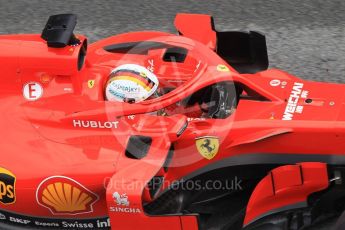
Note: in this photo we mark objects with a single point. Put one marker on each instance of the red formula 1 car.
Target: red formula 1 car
(225, 143)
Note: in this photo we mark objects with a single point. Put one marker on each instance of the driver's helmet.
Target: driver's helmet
(130, 83)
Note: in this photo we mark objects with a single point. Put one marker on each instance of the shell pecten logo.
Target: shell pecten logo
(65, 196)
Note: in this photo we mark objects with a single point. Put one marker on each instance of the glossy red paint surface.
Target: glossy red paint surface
(72, 132)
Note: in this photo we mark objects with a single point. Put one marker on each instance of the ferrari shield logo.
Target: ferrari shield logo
(207, 146)
(222, 68)
(91, 84)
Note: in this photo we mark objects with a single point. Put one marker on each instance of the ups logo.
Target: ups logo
(7, 187)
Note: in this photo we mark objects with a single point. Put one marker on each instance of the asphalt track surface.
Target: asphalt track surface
(305, 38)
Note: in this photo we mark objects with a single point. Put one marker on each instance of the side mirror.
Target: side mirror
(58, 31)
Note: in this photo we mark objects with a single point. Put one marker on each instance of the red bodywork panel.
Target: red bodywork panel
(197, 27)
(286, 186)
(71, 132)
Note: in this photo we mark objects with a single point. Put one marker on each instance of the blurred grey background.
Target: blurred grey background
(305, 38)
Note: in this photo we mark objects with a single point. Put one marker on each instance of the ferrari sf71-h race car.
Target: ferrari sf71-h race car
(223, 143)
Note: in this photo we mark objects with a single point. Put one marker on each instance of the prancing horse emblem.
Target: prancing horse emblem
(207, 146)
(91, 83)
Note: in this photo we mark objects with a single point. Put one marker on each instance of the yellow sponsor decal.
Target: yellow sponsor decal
(143, 74)
(207, 146)
(90, 84)
(7, 187)
(45, 78)
(65, 196)
(222, 68)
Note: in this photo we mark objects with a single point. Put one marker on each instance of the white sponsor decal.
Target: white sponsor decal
(103, 224)
(292, 107)
(151, 65)
(283, 85)
(122, 200)
(53, 223)
(275, 82)
(19, 220)
(68, 89)
(124, 88)
(125, 210)
(46, 224)
(77, 225)
(32, 91)
(96, 124)
(196, 119)
(131, 117)
(304, 94)
(197, 66)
